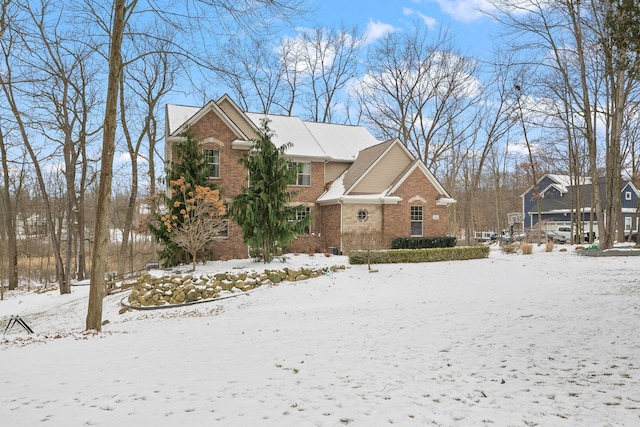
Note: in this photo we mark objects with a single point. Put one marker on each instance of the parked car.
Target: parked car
(585, 237)
(535, 236)
(556, 237)
(518, 237)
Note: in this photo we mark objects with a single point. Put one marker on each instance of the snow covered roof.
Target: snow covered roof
(562, 183)
(341, 188)
(318, 140)
(565, 180)
(323, 141)
(290, 130)
(177, 115)
(341, 142)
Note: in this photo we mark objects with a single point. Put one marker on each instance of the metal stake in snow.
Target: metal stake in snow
(19, 321)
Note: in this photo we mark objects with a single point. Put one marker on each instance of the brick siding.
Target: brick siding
(325, 230)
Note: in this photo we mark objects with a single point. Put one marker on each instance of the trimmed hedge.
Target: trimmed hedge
(423, 242)
(418, 255)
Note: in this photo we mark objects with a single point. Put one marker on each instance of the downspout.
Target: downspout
(341, 223)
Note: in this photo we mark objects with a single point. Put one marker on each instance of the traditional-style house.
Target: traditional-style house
(560, 196)
(348, 181)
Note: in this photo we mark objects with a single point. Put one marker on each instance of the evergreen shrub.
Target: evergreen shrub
(392, 256)
(423, 242)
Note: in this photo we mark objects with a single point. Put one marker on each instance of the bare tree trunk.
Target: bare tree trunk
(133, 195)
(9, 216)
(99, 260)
(614, 180)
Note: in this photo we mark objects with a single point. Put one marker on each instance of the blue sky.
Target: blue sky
(472, 31)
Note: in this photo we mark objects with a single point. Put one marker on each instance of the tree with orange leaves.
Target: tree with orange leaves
(200, 219)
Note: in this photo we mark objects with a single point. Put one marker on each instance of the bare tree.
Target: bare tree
(576, 42)
(311, 69)
(12, 87)
(417, 86)
(364, 240)
(243, 13)
(149, 79)
(330, 60)
(121, 13)
(491, 126)
(64, 107)
(291, 56)
(253, 70)
(202, 221)
(9, 212)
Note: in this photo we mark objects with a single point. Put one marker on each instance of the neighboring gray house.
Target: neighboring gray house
(558, 195)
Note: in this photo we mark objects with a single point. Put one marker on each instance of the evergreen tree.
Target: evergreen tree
(189, 164)
(262, 210)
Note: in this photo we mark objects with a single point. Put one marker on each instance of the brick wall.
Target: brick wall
(233, 177)
(330, 225)
(397, 218)
(325, 230)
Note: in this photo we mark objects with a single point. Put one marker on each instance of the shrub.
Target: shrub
(526, 248)
(548, 247)
(423, 242)
(418, 255)
(509, 248)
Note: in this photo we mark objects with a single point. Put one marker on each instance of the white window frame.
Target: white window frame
(628, 222)
(304, 173)
(224, 232)
(301, 213)
(627, 195)
(209, 158)
(417, 217)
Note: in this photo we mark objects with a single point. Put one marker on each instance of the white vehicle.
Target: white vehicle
(564, 228)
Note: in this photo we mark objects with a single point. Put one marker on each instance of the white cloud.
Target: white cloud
(376, 30)
(428, 20)
(125, 157)
(464, 10)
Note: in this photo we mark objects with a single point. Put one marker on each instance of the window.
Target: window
(224, 231)
(416, 220)
(212, 159)
(627, 223)
(301, 213)
(304, 173)
(362, 215)
(627, 195)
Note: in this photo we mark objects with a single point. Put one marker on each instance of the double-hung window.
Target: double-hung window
(304, 173)
(224, 230)
(212, 159)
(301, 213)
(416, 220)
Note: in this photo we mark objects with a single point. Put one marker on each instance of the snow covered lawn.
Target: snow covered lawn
(546, 339)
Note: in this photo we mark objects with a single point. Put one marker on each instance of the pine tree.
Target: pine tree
(189, 164)
(262, 210)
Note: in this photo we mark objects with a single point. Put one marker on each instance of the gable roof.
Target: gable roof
(443, 198)
(562, 182)
(339, 190)
(176, 114)
(365, 159)
(580, 195)
(310, 140)
(290, 130)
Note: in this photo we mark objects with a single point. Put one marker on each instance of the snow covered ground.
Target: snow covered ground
(548, 339)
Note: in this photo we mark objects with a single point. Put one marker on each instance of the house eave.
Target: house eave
(446, 201)
(241, 144)
(368, 199)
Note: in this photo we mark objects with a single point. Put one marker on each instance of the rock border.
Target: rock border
(178, 290)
